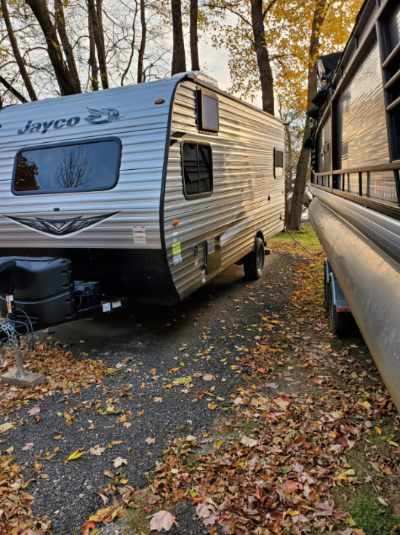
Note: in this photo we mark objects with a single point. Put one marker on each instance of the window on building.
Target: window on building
(197, 169)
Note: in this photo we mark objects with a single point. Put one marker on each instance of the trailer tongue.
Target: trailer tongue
(39, 292)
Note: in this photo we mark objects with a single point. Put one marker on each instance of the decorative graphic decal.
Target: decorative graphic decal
(60, 227)
(102, 115)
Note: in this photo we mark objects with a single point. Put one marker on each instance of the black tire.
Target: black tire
(339, 322)
(254, 262)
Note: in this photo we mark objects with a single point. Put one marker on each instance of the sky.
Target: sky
(214, 62)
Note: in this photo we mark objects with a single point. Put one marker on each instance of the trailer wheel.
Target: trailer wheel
(254, 262)
(338, 321)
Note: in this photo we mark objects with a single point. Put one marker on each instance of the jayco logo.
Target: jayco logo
(96, 116)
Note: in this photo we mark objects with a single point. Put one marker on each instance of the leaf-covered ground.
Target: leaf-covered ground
(239, 412)
(311, 444)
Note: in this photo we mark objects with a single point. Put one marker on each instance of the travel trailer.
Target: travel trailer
(356, 183)
(143, 193)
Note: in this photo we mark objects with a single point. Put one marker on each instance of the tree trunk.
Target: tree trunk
(12, 90)
(64, 78)
(93, 65)
(17, 54)
(194, 38)
(95, 8)
(178, 51)
(142, 47)
(133, 42)
(68, 51)
(294, 221)
(263, 60)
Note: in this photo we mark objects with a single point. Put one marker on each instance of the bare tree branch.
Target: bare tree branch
(12, 90)
(16, 52)
(133, 40)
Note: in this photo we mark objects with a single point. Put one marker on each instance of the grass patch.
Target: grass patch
(305, 236)
(137, 522)
(371, 516)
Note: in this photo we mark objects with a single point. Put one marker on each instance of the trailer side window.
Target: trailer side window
(278, 163)
(197, 169)
(208, 110)
(84, 166)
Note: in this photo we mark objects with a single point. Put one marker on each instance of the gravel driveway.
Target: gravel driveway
(171, 372)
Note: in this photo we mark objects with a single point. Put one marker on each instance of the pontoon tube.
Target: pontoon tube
(370, 280)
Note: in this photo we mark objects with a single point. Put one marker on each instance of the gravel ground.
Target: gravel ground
(201, 337)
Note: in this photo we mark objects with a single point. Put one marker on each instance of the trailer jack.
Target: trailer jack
(17, 375)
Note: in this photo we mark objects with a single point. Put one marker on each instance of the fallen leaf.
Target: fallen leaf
(282, 402)
(34, 411)
(212, 406)
(75, 455)
(248, 442)
(150, 440)
(6, 427)
(119, 461)
(290, 486)
(345, 475)
(97, 450)
(163, 520)
(206, 512)
(208, 377)
(109, 410)
(107, 514)
(88, 527)
(218, 443)
(382, 501)
(185, 380)
(364, 404)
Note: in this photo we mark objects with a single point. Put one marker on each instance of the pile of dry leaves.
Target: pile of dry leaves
(15, 512)
(63, 372)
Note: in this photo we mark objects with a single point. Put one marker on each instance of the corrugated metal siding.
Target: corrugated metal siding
(142, 128)
(361, 110)
(363, 137)
(243, 182)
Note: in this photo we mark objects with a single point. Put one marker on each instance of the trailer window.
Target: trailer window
(197, 169)
(84, 166)
(278, 163)
(208, 109)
